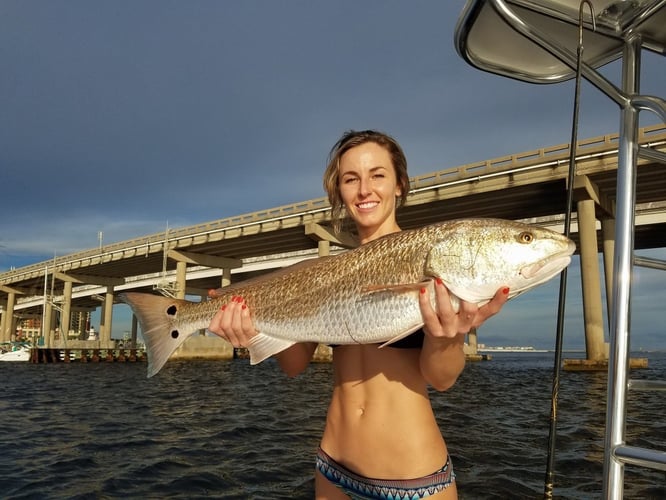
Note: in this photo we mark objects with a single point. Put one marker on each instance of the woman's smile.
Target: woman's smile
(369, 187)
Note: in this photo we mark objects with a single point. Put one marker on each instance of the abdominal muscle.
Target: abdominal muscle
(380, 422)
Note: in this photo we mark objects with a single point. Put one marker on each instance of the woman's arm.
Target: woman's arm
(442, 357)
(294, 360)
(233, 323)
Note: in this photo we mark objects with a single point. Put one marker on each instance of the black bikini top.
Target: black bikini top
(412, 341)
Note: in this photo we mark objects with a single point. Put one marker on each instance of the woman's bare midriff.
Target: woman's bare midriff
(380, 423)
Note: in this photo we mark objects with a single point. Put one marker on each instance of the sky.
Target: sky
(123, 116)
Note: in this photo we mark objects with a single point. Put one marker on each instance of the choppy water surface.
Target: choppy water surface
(229, 430)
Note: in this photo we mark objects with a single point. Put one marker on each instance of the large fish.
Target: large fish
(369, 294)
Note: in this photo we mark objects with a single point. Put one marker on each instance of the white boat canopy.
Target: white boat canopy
(507, 37)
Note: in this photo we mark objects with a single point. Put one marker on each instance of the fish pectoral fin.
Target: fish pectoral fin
(479, 295)
(263, 346)
(400, 288)
(402, 335)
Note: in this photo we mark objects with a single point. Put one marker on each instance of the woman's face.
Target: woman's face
(368, 187)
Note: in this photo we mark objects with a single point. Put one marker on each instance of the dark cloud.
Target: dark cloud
(123, 116)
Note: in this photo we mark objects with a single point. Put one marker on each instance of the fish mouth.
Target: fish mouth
(548, 267)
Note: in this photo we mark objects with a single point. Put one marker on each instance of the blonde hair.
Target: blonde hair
(349, 140)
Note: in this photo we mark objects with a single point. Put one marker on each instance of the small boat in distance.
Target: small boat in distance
(14, 351)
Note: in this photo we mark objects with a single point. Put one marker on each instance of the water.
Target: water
(229, 430)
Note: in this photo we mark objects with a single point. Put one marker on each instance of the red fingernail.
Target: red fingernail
(223, 307)
(423, 290)
(244, 306)
(505, 290)
(438, 281)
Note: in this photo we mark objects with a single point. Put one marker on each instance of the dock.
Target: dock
(39, 355)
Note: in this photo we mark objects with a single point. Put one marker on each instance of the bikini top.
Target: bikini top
(412, 341)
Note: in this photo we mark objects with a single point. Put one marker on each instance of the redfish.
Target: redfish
(368, 295)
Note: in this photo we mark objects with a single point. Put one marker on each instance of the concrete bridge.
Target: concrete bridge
(528, 186)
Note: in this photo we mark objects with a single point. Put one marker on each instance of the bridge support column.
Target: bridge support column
(608, 235)
(473, 342)
(225, 280)
(595, 346)
(472, 348)
(3, 317)
(323, 248)
(8, 322)
(65, 315)
(591, 205)
(48, 322)
(181, 279)
(106, 318)
(87, 325)
(83, 325)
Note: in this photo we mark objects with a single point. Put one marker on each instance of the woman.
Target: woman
(381, 433)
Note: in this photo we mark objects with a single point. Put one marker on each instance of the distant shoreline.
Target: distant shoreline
(519, 349)
(529, 349)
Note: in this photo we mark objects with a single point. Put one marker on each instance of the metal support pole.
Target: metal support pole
(622, 271)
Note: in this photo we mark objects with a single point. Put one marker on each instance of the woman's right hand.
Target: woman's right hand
(233, 323)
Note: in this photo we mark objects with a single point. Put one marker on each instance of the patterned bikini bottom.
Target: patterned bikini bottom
(385, 489)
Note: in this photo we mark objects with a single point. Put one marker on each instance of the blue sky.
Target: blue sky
(120, 116)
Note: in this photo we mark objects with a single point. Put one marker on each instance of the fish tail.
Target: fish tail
(161, 330)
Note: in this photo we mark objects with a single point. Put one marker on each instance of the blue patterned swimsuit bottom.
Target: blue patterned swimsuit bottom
(385, 489)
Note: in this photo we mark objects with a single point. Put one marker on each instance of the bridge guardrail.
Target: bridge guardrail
(541, 155)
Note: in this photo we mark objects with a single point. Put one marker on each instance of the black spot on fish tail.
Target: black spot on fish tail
(158, 317)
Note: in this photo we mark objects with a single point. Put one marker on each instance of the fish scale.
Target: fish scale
(368, 295)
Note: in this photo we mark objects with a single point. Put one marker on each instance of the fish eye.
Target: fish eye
(525, 237)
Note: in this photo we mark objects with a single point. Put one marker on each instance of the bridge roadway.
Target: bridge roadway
(527, 186)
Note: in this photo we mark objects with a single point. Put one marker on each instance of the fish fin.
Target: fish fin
(475, 295)
(402, 335)
(400, 288)
(156, 314)
(263, 346)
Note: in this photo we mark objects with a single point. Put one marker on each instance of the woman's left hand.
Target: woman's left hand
(445, 322)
